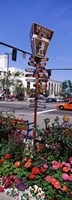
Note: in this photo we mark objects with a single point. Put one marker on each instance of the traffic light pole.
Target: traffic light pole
(7, 76)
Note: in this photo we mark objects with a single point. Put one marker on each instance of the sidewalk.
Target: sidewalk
(5, 197)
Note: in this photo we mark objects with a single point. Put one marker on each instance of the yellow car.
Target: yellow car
(66, 106)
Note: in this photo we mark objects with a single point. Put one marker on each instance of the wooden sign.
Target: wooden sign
(32, 59)
(42, 65)
(32, 64)
(40, 38)
(44, 59)
(29, 75)
(30, 70)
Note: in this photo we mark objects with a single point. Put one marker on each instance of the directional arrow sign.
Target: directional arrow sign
(42, 76)
(44, 59)
(32, 59)
(42, 80)
(32, 64)
(42, 65)
(29, 70)
(29, 75)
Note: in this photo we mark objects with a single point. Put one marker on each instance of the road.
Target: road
(23, 111)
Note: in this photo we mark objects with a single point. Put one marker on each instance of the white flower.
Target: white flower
(36, 189)
(30, 196)
(30, 188)
(39, 189)
(38, 195)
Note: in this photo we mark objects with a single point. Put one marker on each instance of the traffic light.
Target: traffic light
(49, 72)
(14, 54)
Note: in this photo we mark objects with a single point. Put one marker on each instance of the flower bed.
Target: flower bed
(40, 172)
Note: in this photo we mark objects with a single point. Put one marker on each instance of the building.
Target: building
(53, 86)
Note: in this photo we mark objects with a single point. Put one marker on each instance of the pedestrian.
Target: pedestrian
(66, 122)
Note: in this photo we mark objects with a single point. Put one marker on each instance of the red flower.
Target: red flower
(66, 169)
(35, 170)
(31, 176)
(1, 160)
(17, 164)
(57, 185)
(7, 182)
(27, 164)
(29, 160)
(1, 189)
(7, 156)
(40, 147)
(65, 188)
(42, 169)
(25, 159)
(50, 199)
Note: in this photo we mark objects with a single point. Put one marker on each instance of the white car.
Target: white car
(60, 100)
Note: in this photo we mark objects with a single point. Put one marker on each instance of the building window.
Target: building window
(28, 85)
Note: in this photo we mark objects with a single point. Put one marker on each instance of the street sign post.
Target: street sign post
(40, 38)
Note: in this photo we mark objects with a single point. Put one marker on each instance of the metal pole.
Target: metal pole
(7, 76)
(36, 100)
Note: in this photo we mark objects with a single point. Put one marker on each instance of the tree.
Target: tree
(66, 88)
(12, 79)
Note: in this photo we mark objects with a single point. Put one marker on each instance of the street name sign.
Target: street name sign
(40, 38)
(30, 70)
(32, 59)
(32, 64)
(42, 64)
(42, 80)
(29, 75)
(44, 59)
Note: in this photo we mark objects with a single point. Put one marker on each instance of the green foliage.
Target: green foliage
(66, 88)
(55, 140)
(52, 144)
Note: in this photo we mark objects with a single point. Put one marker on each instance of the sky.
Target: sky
(16, 18)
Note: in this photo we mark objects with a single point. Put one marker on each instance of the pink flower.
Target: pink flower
(70, 177)
(1, 189)
(65, 177)
(68, 165)
(70, 160)
(71, 169)
(54, 162)
(63, 163)
(45, 166)
(48, 178)
(55, 166)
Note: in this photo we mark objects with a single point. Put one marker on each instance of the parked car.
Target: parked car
(60, 100)
(51, 100)
(66, 106)
(42, 96)
(68, 99)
